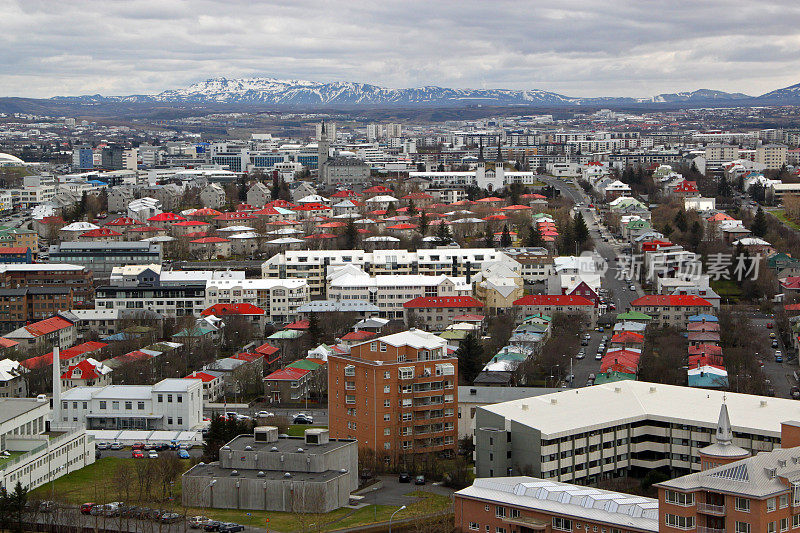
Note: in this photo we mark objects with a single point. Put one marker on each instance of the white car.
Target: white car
(264, 414)
(152, 454)
(633, 288)
(598, 357)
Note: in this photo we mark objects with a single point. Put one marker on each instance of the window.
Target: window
(679, 498)
(514, 513)
(383, 347)
(784, 524)
(114, 405)
(179, 397)
(742, 504)
(770, 504)
(102, 405)
(499, 511)
(128, 405)
(180, 421)
(350, 398)
(562, 524)
(796, 520)
(140, 406)
(679, 522)
(373, 346)
(387, 403)
(386, 374)
(160, 398)
(783, 501)
(500, 530)
(386, 389)
(350, 370)
(406, 372)
(387, 431)
(169, 398)
(771, 527)
(169, 421)
(474, 526)
(387, 417)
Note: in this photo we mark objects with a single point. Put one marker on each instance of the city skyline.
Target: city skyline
(147, 47)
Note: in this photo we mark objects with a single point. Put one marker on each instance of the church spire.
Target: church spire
(480, 149)
(724, 431)
(499, 150)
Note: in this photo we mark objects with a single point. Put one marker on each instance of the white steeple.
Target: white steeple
(724, 431)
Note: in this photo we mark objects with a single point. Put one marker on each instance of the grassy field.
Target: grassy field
(97, 483)
(11, 456)
(727, 288)
(298, 430)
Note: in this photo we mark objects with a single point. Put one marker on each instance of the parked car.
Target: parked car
(585, 342)
(795, 393)
(770, 325)
(264, 414)
(137, 454)
(581, 354)
(137, 446)
(419, 480)
(169, 518)
(230, 528)
(404, 477)
(212, 525)
(152, 455)
(115, 446)
(101, 445)
(47, 506)
(196, 522)
(774, 343)
(183, 454)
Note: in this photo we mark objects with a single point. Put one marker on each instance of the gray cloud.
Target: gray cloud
(578, 48)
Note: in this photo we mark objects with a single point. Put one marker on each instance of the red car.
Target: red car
(86, 508)
(137, 454)
(137, 446)
(769, 325)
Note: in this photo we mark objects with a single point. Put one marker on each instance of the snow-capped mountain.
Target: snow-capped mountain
(302, 93)
(700, 95)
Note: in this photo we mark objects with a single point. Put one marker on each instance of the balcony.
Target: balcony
(704, 529)
(708, 508)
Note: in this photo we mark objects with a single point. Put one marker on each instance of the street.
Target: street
(319, 415)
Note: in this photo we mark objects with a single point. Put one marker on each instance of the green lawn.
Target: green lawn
(727, 288)
(13, 455)
(298, 430)
(97, 483)
(781, 215)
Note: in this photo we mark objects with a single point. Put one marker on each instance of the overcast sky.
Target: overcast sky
(577, 48)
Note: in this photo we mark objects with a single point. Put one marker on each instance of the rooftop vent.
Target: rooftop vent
(274, 449)
(342, 470)
(248, 448)
(261, 473)
(234, 472)
(299, 450)
(652, 390)
(763, 403)
(287, 474)
(618, 389)
(782, 462)
(771, 472)
(553, 401)
(525, 407)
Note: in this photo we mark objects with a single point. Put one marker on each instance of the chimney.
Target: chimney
(56, 387)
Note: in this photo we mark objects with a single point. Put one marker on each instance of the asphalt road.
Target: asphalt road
(780, 375)
(320, 416)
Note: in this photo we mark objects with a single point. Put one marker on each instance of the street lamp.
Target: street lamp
(391, 517)
(211, 484)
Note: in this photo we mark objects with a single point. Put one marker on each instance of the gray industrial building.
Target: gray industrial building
(102, 257)
(310, 474)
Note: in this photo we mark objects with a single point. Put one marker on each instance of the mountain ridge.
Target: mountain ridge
(304, 93)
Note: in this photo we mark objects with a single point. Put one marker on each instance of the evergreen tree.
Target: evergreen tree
(759, 225)
(391, 210)
(351, 235)
(443, 234)
(220, 432)
(470, 358)
(534, 237)
(680, 221)
(412, 209)
(275, 189)
(696, 235)
(740, 183)
(580, 228)
(423, 223)
(472, 192)
(314, 331)
(566, 241)
(723, 188)
(488, 236)
(505, 237)
(667, 231)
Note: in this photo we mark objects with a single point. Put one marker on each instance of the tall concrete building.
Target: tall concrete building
(329, 128)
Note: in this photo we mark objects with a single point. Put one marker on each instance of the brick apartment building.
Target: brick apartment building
(22, 306)
(78, 278)
(396, 394)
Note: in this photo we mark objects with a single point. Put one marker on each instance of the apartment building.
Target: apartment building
(391, 292)
(76, 277)
(547, 304)
(526, 504)
(29, 304)
(671, 310)
(170, 301)
(279, 298)
(739, 494)
(614, 429)
(170, 404)
(45, 333)
(36, 456)
(435, 313)
(396, 394)
(12, 379)
(772, 156)
(313, 265)
(102, 257)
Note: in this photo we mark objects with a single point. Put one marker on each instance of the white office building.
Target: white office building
(169, 405)
(279, 298)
